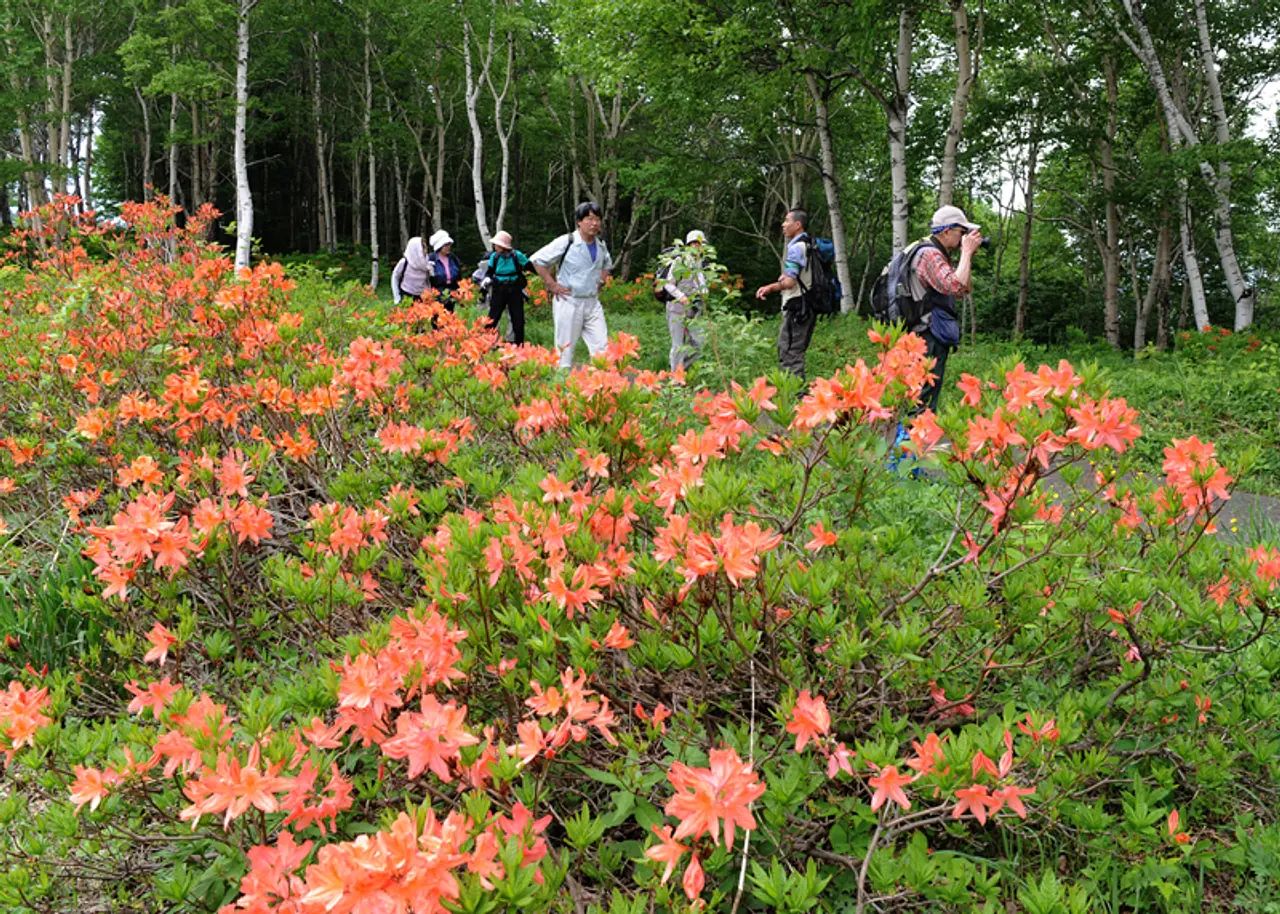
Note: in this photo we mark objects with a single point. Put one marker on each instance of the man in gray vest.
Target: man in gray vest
(582, 264)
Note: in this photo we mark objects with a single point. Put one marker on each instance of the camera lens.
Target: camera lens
(985, 243)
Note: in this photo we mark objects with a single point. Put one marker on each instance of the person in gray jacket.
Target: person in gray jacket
(686, 292)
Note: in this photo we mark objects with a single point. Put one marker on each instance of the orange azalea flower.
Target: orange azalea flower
(618, 638)
(694, 879)
(21, 715)
(668, 850)
(90, 786)
(705, 796)
(155, 697)
(1177, 836)
(888, 785)
(809, 719)
(821, 538)
(161, 640)
(1012, 796)
(975, 799)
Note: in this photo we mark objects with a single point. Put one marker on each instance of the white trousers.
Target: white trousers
(578, 318)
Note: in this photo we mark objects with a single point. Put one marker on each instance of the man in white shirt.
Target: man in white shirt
(582, 263)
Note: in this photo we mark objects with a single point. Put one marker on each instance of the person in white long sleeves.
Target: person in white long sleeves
(412, 274)
(582, 264)
(686, 289)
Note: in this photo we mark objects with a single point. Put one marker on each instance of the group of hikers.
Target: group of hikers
(918, 288)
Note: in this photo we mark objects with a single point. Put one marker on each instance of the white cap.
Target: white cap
(951, 215)
(439, 240)
(695, 235)
(503, 240)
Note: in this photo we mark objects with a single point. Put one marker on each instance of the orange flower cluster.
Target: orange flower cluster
(21, 715)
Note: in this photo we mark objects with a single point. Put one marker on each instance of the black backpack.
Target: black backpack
(822, 296)
(891, 299)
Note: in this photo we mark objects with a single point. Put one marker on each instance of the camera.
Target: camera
(985, 243)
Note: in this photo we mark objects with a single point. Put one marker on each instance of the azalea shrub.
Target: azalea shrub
(384, 614)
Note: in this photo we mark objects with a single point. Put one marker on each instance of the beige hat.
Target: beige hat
(948, 216)
(503, 240)
(695, 235)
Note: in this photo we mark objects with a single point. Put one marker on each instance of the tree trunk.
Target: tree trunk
(897, 120)
(402, 212)
(197, 187)
(1195, 283)
(473, 87)
(87, 195)
(504, 132)
(832, 187)
(965, 77)
(1158, 287)
(1111, 246)
(6, 217)
(173, 148)
(148, 174)
(328, 230)
(244, 198)
(1243, 294)
(357, 210)
(1024, 258)
(1183, 133)
(32, 178)
(373, 160)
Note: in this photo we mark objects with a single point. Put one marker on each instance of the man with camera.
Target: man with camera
(936, 283)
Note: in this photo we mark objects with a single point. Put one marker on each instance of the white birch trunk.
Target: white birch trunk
(1182, 133)
(832, 188)
(173, 148)
(473, 87)
(504, 131)
(244, 199)
(959, 103)
(1241, 291)
(896, 113)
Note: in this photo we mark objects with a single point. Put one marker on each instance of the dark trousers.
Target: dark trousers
(510, 299)
(933, 390)
(793, 340)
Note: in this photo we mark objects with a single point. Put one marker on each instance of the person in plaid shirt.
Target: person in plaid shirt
(935, 282)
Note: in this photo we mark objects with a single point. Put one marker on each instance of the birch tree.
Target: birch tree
(1183, 134)
(244, 198)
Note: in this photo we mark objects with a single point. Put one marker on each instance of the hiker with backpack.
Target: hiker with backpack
(412, 274)
(446, 270)
(681, 285)
(807, 290)
(918, 289)
(505, 280)
(582, 263)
